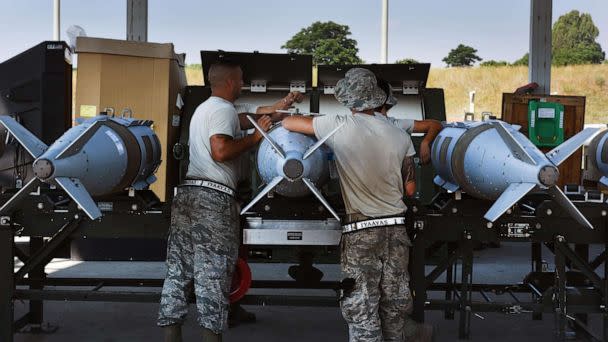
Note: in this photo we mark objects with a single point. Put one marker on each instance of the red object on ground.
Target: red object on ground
(241, 281)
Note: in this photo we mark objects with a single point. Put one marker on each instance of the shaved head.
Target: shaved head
(219, 73)
(226, 80)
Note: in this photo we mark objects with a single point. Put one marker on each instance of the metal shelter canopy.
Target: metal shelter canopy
(539, 63)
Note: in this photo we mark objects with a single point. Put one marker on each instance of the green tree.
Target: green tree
(406, 61)
(574, 36)
(327, 42)
(493, 63)
(462, 55)
(523, 60)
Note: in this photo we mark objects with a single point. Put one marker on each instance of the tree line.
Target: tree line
(574, 42)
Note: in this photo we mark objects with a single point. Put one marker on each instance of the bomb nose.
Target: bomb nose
(548, 175)
(43, 168)
(293, 169)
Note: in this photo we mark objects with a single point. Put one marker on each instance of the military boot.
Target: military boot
(210, 336)
(173, 333)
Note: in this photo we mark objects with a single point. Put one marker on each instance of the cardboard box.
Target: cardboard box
(147, 78)
(515, 111)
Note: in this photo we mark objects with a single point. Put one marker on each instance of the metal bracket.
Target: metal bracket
(594, 197)
(515, 310)
(299, 86)
(458, 195)
(573, 189)
(127, 113)
(329, 90)
(410, 88)
(258, 86)
(5, 220)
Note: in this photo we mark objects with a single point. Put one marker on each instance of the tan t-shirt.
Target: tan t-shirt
(369, 154)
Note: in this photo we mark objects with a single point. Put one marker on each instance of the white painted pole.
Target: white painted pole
(384, 34)
(56, 19)
(472, 101)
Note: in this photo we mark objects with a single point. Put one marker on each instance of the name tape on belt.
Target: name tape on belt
(210, 185)
(388, 221)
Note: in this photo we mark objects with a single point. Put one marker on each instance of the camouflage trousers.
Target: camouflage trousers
(380, 303)
(202, 250)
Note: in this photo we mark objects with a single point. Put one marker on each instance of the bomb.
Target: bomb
(492, 160)
(292, 164)
(598, 152)
(101, 156)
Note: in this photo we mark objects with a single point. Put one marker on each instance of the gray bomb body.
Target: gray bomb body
(112, 154)
(492, 160)
(292, 164)
(475, 158)
(293, 168)
(102, 155)
(598, 150)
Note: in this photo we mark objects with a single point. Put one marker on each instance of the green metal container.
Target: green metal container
(545, 123)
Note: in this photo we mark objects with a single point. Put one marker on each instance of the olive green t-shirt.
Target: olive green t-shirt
(369, 154)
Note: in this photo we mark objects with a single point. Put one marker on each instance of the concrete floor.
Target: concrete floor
(109, 322)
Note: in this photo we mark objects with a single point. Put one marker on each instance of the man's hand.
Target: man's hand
(432, 129)
(289, 100)
(264, 122)
(425, 153)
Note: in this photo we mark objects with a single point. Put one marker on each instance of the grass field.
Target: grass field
(490, 82)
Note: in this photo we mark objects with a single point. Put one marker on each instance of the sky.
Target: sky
(424, 30)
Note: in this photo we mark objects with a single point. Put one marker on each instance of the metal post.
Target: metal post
(560, 292)
(582, 251)
(137, 20)
(537, 266)
(418, 280)
(472, 101)
(7, 285)
(605, 299)
(537, 257)
(37, 276)
(56, 19)
(539, 62)
(464, 326)
(450, 279)
(384, 34)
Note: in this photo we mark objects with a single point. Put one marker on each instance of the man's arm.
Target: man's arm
(408, 172)
(282, 104)
(432, 129)
(225, 148)
(300, 124)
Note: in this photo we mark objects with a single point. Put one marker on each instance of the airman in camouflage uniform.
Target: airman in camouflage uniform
(203, 245)
(377, 308)
(374, 161)
(204, 237)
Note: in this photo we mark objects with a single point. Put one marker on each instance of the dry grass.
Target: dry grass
(194, 75)
(490, 82)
